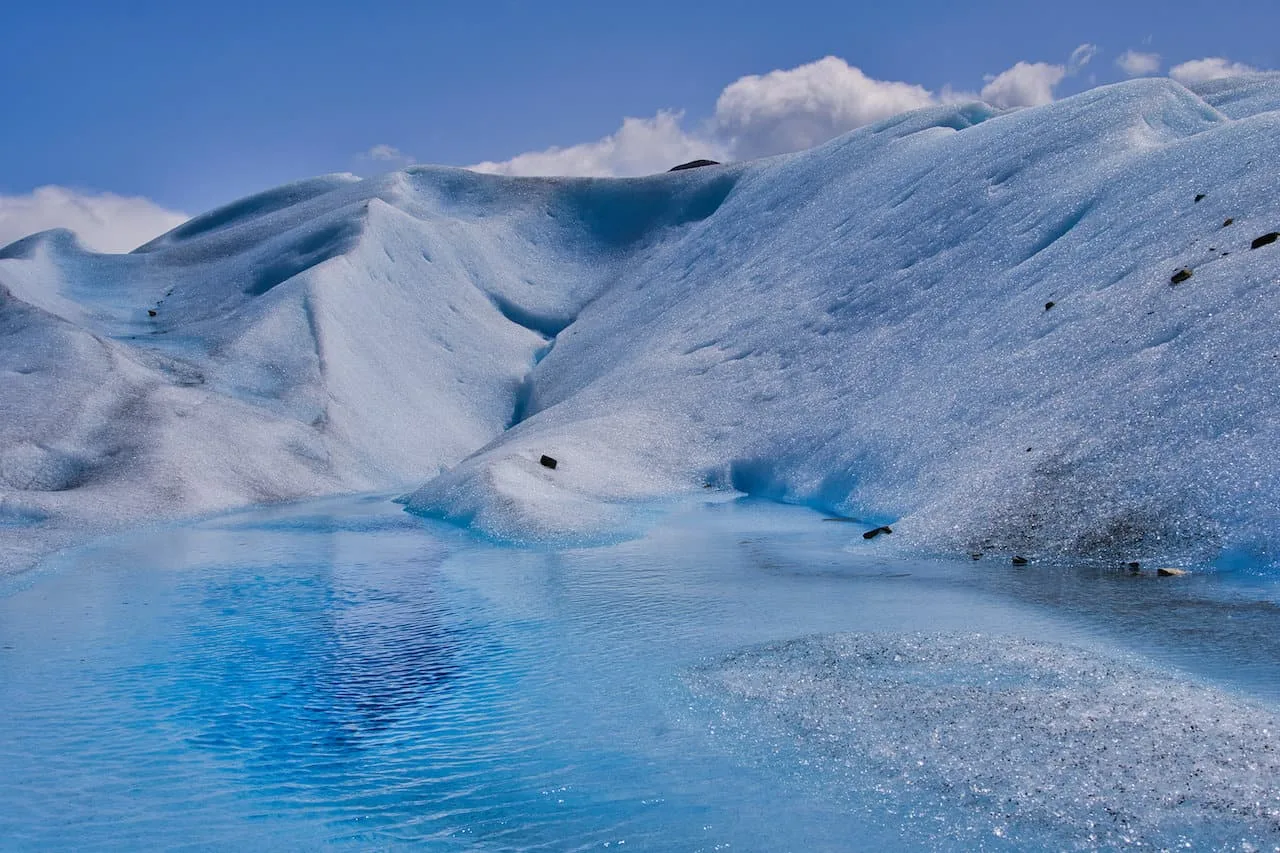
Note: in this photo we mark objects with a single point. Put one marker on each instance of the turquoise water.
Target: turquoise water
(745, 677)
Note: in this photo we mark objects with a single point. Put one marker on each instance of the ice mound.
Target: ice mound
(1042, 332)
(333, 335)
(1244, 95)
(959, 322)
(1023, 735)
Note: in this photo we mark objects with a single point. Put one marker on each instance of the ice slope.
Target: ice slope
(331, 335)
(861, 327)
(1244, 95)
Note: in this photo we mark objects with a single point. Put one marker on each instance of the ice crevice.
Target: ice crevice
(550, 331)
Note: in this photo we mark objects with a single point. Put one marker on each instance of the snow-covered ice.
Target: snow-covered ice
(1026, 733)
(958, 321)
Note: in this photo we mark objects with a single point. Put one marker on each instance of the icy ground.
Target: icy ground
(1022, 732)
(961, 322)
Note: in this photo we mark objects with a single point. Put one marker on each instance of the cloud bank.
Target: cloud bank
(755, 116)
(104, 222)
(1137, 64)
(1026, 84)
(640, 147)
(1209, 68)
(384, 157)
(785, 110)
(781, 111)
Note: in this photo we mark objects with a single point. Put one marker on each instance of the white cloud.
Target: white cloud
(104, 222)
(755, 116)
(785, 110)
(641, 146)
(1026, 84)
(801, 107)
(386, 152)
(1138, 64)
(381, 158)
(1209, 68)
(952, 95)
(1081, 56)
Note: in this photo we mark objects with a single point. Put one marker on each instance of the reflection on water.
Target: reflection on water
(322, 655)
(341, 674)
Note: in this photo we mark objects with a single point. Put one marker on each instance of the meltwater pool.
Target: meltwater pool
(745, 677)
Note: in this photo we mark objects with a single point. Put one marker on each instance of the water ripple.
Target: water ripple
(328, 675)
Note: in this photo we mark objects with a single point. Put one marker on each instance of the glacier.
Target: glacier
(959, 322)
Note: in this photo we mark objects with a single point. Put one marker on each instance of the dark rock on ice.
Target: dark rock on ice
(694, 164)
(547, 461)
(876, 531)
(1265, 240)
(1180, 276)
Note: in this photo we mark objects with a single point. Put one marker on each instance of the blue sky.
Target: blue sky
(194, 104)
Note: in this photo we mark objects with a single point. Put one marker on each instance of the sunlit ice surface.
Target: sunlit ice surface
(745, 676)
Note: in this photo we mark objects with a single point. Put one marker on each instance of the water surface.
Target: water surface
(338, 673)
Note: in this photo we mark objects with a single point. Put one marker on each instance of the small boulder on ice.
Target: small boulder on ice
(694, 164)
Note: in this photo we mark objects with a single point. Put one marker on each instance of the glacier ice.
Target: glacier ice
(861, 327)
(1027, 734)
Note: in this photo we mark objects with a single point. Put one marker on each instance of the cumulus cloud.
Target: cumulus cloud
(382, 158)
(104, 222)
(386, 152)
(1026, 84)
(801, 107)
(1081, 56)
(785, 110)
(755, 116)
(641, 146)
(1137, 64)
(1209, 68)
